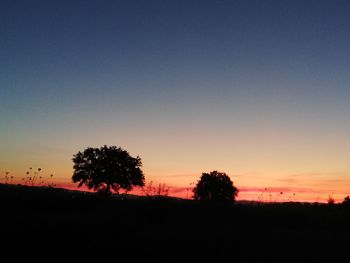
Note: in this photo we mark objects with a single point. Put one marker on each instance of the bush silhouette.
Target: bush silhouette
(215, 186)
(346, 201)
(107, 169)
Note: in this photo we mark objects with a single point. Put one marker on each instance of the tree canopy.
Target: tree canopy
(107, 169)
(215, 186)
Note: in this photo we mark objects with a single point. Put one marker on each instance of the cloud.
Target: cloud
(317, 174)
(289, 180)
(324, 180)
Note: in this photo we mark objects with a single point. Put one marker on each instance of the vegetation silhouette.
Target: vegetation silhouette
(41, 219)
(215, 186)
(331, 200)
(346, 201)
(161, 190)
(107, 169)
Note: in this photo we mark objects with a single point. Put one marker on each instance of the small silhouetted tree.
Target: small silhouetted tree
(215, 186)
(107, 169)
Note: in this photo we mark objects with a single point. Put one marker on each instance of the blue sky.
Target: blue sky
(188, 85)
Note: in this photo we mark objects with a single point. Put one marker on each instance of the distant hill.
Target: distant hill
(44, 191)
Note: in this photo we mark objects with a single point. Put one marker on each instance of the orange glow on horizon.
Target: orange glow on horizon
(297, 187)
(273, 194)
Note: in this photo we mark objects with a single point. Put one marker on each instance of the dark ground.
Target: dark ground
(56, 223)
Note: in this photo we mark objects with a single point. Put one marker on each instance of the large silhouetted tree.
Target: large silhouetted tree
(215, 186)
(107, 169)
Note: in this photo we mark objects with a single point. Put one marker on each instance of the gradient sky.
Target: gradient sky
(257, 89)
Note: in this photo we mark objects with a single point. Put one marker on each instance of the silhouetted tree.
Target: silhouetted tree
(107, 168)
(215, 186)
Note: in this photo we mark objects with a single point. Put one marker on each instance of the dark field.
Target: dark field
(36, 222)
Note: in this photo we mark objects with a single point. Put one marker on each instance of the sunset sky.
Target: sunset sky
(257, 89)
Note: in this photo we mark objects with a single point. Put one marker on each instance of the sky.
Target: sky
(256, 89)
